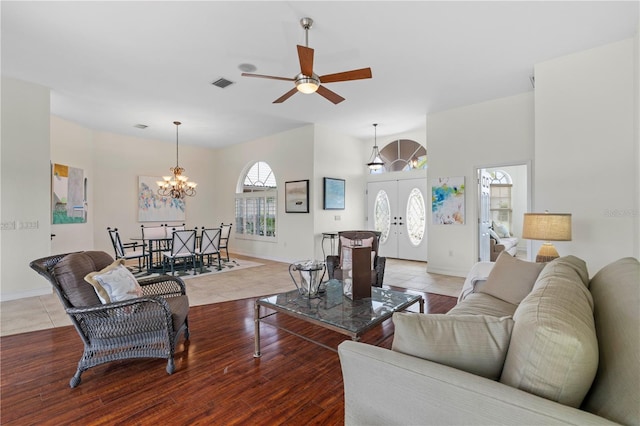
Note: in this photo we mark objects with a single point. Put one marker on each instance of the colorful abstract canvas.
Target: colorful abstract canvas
(447, 201)
(68, 195)
(156, 208)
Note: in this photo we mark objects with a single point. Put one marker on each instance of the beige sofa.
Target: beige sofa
(565, 350)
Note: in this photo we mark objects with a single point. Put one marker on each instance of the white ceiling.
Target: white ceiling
(111, 65)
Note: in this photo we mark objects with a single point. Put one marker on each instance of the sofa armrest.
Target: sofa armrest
(383, 387)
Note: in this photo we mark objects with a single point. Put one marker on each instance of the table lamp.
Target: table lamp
(547, 227)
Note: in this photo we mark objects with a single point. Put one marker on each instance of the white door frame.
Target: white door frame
(476, 212)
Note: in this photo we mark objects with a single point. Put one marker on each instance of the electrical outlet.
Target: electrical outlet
(8, 226)
(336, 217)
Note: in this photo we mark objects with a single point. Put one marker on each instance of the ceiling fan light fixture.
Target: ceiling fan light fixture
(306, 84)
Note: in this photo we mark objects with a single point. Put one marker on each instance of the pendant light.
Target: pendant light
(376, 162)
(176, 186)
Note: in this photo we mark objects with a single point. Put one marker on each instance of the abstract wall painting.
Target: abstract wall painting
(68, 195)
(333, 194)
(296, 196)
(447, 201)
(156, 208)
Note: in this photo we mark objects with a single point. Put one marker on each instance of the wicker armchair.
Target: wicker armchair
(144, 327)
(379, 262)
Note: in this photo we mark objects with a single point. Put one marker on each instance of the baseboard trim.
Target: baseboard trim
(454, 272)
(24, 294)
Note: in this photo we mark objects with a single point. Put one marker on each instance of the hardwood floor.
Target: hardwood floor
(217, 380)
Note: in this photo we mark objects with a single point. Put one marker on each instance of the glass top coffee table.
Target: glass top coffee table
(333, 310)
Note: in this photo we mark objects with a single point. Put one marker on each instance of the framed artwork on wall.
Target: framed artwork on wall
(68, 194)
(153, 207)
(333, 194)
(296, 196)
(447, 205)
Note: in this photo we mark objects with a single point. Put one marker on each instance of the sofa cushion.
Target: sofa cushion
(574, 265)
(554, 351)
(511, 279)
(483, 304)
(474, 343)
(616, 296)
(114, 283)
(70, 273)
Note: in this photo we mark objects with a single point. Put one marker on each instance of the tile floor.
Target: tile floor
(42, 312)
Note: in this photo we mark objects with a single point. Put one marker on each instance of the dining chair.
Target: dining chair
(170, 228)
(156, 239)
(225, 232)
(209, 246)
(121, 248)
(183, 247)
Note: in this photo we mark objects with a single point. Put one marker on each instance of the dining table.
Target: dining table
(154, 248)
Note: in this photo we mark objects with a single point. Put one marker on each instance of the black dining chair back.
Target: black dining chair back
(183, 246)
(209, 246)
(225, 233)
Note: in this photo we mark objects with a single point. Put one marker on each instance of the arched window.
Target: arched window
(256, 204)
(401, 156)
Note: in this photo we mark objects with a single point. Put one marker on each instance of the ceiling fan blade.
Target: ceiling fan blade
(305, 54)
(271, 77)
(332, 96)
(346, 76)
(286, 96)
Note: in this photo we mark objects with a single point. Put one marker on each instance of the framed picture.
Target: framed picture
(156, 208)
(447, 201)
(296, 196)
(68, 194)
(333, 194)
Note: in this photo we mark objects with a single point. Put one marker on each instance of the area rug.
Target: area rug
(231, 265)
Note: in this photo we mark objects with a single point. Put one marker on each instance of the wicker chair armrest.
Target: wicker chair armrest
(126, 318)
(163, 285)
(113, 308)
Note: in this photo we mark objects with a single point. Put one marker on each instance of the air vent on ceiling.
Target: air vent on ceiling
(140, 126)
(222, 83)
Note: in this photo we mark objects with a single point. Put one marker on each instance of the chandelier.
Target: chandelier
(176, 186)
(376, 162)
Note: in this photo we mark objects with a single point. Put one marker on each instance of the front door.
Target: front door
(398, 210)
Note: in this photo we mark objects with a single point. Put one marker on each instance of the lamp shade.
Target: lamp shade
(547, 226)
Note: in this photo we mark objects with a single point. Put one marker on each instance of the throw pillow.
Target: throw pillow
(554, 348)
(502, 230)
(474, 343)
(511, 279)
(495, 236)
(114, 283)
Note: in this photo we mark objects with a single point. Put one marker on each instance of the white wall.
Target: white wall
(341, 157)
(25, 187)
(118, 162)
(72, 145)
(586, 150)
(458, 142)
(290, 156)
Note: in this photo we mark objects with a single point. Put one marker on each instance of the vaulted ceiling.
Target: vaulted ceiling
(112, 65)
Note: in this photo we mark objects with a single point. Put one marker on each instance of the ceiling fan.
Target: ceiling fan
(307, 81)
